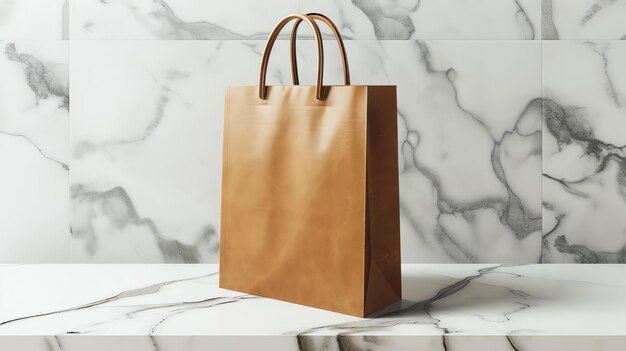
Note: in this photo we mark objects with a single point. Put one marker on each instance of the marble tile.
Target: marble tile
(584, 19)
(146, 147)
(432, 19)
(176, 19)
(34, 19)
(584, 154)
(34, 121)
(371, 19)
(470, 149)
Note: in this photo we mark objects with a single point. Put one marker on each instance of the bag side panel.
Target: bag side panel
(383, 267)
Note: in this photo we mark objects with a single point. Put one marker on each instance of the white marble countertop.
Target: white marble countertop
(53, 302)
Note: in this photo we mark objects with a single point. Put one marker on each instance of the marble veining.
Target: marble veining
(498, 146)
(511, 149)
(584, 19)
(548, 29)
(584, 152)
(118, 208)
(40, 150)
(361, 19)
(123, 152)
(433, 19)
(43, 81)
(176, 19)
(461, 307)
(34, 126)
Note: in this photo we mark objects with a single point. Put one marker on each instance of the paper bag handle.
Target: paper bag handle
(319, 94)
(342, 49)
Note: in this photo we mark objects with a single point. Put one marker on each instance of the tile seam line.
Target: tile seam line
(309, 39)
(541, 40)
(325, 39)
(301, 39)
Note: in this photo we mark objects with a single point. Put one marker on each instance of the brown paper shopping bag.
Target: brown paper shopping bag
(310, 210)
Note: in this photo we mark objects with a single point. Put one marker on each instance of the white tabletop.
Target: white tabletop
(511, 303)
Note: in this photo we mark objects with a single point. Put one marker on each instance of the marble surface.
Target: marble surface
(176, 19)
(511, 149)
(433, 19)
(34, 19)
(360, 19)
(451, 307)
(584, 19)
(584, 151)
(34, 127)
(473, 118)
(146, 149)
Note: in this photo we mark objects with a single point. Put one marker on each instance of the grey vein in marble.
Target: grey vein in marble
(170, 309)
(388, 23)
(548, 29)
(64, 165)
(422, 312)
(602, 49)
(568, 125)
(511, 211)
(146, 290)
(180, 29)
(392, 20)
(522, 17)
(117, 206)
(446, 307)
(584, 19)
(42, 80)
(172, 27)
(166, 93)
(583, 254)
(595, 8)
(515, 214)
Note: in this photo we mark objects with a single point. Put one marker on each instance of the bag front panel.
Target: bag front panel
(293, 195)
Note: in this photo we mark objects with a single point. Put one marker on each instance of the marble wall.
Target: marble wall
(512, 123)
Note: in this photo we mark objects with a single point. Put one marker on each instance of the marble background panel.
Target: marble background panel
(584, 19)
(469, 114)
(146, 147)
(146, 169)
(147, 140)
(432, 19)
(361, 19)
(34, 19)
(34, 122)
(469, 140)
(584, 160)
(176, 19)
(146, 126)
